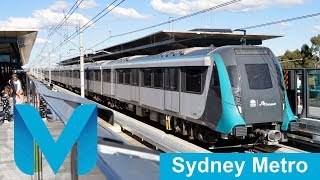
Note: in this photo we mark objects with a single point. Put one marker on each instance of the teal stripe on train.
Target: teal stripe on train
(288, 115)
(230, 115)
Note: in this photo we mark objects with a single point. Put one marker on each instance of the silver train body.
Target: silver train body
(230, 92)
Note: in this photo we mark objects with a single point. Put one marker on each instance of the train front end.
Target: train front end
(259, 96)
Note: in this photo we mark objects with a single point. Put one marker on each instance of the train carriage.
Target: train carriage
(206, 93)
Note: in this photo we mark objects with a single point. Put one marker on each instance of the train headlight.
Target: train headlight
(240, 109)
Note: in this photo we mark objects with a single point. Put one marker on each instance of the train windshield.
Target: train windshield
(258, 76)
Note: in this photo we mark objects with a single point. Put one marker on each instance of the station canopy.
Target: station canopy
(16, 45)
(162, 41)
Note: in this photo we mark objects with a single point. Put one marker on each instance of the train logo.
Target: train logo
(29, 128)
(262, 103)
(253, 103)
(267, 104)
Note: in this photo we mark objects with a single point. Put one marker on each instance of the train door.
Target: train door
(135, 89)
(261, 93)
(113, 82)
(171, 93)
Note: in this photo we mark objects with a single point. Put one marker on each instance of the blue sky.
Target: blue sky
(134, 14)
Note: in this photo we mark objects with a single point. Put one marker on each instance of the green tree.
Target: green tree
(316, 48)
(307, 57)
(290, 59)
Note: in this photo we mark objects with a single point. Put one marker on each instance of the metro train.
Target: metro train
(211, 94)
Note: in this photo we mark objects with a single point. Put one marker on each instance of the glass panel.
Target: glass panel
(171, 79)
(106, 76)
(193, 80)
(120, 76)
(147, 77)
(127, 76)
(158, 78)
(233, 75)
(135, 77)
(258, 76)
(314, 93)
(300, 91)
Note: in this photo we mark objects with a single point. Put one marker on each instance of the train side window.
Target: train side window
(147, 78)
(193, 80)
(97, 74)
(158, 78)
(120, 76)
(127, 73)
(106, 75)
(91, 75)
(171, 79)
(135, 77)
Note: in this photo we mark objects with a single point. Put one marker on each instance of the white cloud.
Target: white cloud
(285, 25)
(122, 12)
(288, 3)
(88, 4)
(59, 6)
(42, 41)
(317, 28)
(43, 18)
(183, 7)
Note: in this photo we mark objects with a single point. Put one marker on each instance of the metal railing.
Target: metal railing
(309, 91)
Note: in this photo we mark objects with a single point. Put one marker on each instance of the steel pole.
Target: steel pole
(81, 59)
(49, 70)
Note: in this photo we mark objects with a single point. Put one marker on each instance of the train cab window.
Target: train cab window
(106, 75)
(147, 76)
(171, 79)
(158, 78)
(258, 76)
(127, 77)
(233, 75)
(135, 77)
(120, 76)
(193, 80)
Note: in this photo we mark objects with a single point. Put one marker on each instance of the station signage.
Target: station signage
(30, 128)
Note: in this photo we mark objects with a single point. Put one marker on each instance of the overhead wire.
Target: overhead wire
(110, 7)
(173, 20)
(55, 29)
